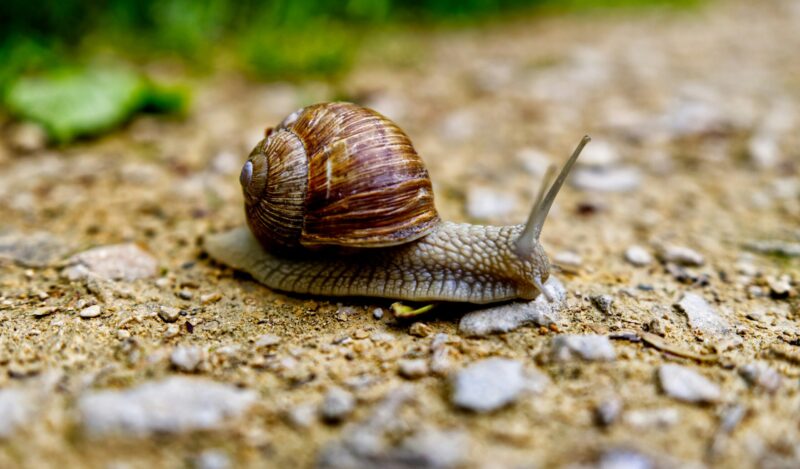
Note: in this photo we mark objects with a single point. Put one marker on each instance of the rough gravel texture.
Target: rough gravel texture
(700, 107)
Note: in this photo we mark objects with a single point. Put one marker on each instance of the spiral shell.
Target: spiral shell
(337, 174)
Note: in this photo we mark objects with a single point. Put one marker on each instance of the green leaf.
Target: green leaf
(83, 102)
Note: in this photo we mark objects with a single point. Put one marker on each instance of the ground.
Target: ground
(694, 117)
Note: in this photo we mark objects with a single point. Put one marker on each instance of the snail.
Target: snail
(338, 203)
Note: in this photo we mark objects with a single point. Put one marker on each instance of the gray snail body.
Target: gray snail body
(338, 203)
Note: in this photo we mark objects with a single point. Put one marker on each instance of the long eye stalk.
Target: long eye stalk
(533, 228)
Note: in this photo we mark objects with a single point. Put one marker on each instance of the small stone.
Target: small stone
(381, 337)
(599, 153)
(212, 459)
(420, 329)
(27, 137)
(210, 298)
(590, 347)
(377, 313)
(90, 312)
(681, 255)
(38, 249)
(775, 248)
(685, 384)
(638, 256)
(267, 340)
(123, 334)
(603, 303)
(608, 412)
(413, 369)
(126, 262)
(511, 316)
(337, 405)
(302, 416)
(764, 150)
(168, 313)
(624, 459)
(488, 385)
(780, 287)
(607, 179)
(16, 410)
(172, 405)
(652, 418)
(760, 375)
(173, 330)
(185, 294)
(44, 311)
(568, 260)
(702, 317)
(484, 203)
(187, 358)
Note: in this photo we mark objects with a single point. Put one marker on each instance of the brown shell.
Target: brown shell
(365, 185)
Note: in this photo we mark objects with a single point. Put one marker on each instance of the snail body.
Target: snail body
(338, 203)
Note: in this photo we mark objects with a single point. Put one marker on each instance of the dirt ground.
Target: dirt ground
(695, 123)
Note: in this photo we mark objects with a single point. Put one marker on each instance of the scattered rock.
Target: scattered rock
(703, 318)
(16, 410)
(488, 385)
(172, 405)
(44, 311)
(484, 203)
(420, 329)
(603, 303)
(90, 312)
(377, 313)
(511, 316)
(624, 459)
(600, 153)
(187, 358)
(780, 287)
(764, 150)
(685, 384)
(212, 459)
(126, 262)
(760, 375)
(38, 249)
(681, 255)
(608, 412)
(652, 418)
(590, 347)
(267, 341)
(568, 260)
(638, 256)
(607, 179)
(413, 369)
(775, 248)
(168, 313)
(337, 405)
(302, 416)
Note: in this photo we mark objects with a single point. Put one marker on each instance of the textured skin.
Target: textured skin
(455, 262)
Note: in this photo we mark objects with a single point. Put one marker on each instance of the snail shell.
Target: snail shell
(337, 174)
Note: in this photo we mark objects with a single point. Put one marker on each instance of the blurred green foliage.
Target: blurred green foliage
(270, 38)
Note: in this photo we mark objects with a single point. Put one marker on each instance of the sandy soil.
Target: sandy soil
(694, 117)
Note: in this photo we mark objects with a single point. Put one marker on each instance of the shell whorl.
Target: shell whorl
(337, 174)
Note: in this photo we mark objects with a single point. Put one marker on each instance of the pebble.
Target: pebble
(168, 313)
(775, 247)
(608, 412)
(44, 311)
(764, 150)
(210, 298)
(90, 312)
(171, 405)
(420, 329)
(590, 347)
(681, 255)
(685, 384)
(702, 317)
(38, 249)
(511, 316)
(267, 340)
(377, 313)
(568, 260)
(652, 418)
(337, 405)
(488, 385)
(638, 256)
(413, 369)
(599, 153)
(187, 358)
(126, 262)
(624, 459)
(212, 459)
(603, 303)
(16, 410)
(607, 179)
(761, 376)
(302, 416)
(173, 330)
(484, 203)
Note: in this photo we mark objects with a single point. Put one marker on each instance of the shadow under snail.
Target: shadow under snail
(338, 203)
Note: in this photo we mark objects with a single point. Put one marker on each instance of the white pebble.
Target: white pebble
(90, 312)
(126, 262)
(591, 347)
(337, 405)
(484, 203)
(186, 358)
(413, 369)
(488, 385)
(685, 384)
(681, 255)
(638, 256)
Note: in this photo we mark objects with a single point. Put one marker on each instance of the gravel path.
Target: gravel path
(677, 240)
